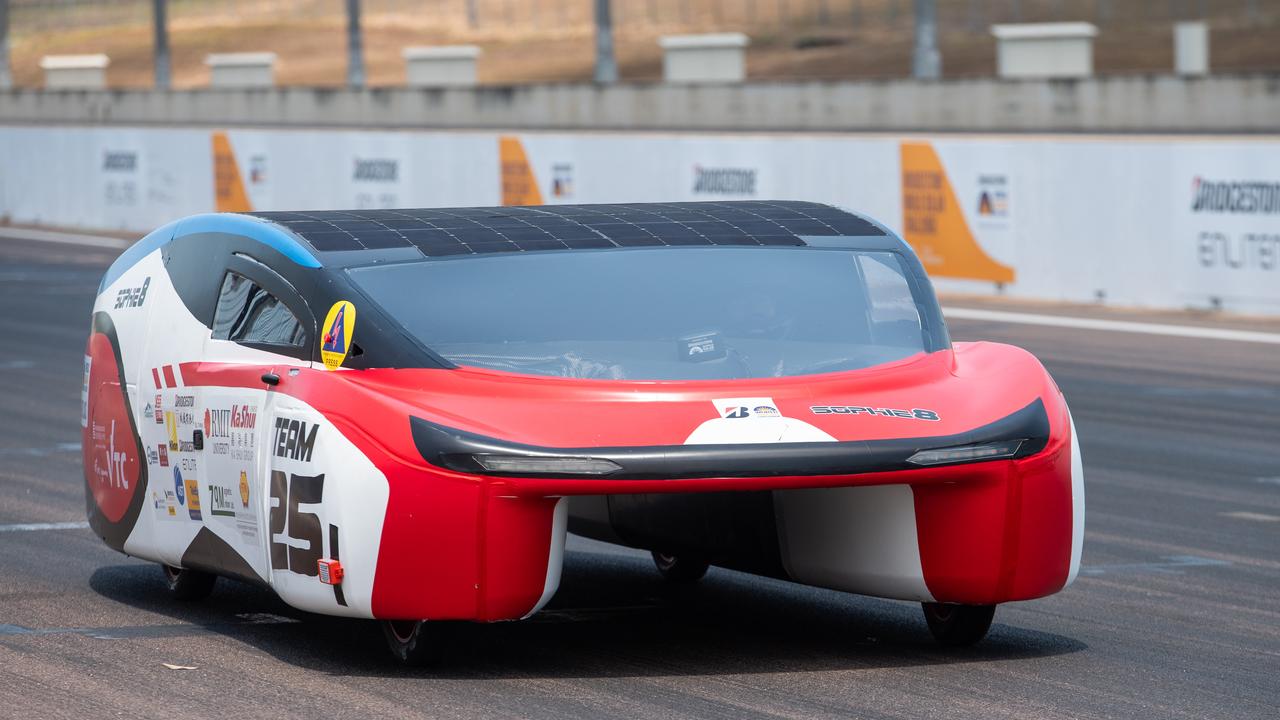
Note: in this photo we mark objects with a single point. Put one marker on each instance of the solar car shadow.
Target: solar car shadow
(613, 617)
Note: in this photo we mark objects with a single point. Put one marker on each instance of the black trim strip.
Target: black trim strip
(338, 595)
(453, 449)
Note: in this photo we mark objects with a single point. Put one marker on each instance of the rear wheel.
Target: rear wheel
(185, 584)
(958, 625)
(412, 642)
(680, 568)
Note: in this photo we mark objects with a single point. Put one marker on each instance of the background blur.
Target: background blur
(549, 40)
(1112, 152)
(1100, 185)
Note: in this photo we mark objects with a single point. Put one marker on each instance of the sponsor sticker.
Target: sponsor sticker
(179, 488)
(193, 498)
(84, 393)
(743, 408)
(339, 325)
(912, 414)
(132, 297)
(221, 501)
(171, 424)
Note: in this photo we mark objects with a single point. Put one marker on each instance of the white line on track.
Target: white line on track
(28, 527)
(1246, 515)
(1186, 331)
(65, 238)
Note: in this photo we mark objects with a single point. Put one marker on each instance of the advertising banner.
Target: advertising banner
(1168, 222)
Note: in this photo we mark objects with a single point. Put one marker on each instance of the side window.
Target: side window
(247, 313)
(895, 318)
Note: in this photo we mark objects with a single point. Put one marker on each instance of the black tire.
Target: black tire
(958, 625)
(413, 642)
(186, 585)
(680, 568)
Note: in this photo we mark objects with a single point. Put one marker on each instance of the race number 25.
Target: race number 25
(288, 491)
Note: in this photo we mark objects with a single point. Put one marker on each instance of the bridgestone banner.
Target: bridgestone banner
(1167, 222)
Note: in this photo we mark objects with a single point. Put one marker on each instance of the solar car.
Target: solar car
(399, 414)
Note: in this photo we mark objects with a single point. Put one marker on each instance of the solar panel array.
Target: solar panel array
(462, 231)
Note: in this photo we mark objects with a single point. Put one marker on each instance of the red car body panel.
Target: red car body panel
(471, 546)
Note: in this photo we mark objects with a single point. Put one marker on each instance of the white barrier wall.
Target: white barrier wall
(1159, 222)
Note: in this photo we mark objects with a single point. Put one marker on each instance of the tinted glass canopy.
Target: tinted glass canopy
(658, 313)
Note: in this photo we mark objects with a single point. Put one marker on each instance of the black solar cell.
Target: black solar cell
(460, 231)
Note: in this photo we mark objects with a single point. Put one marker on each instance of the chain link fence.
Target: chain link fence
(559, 17)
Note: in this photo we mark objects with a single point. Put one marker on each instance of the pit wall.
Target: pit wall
(1146, 221)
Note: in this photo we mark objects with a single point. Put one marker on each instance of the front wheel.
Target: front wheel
(958, 625)
(680, 568)
(412, 642)
(185, 584)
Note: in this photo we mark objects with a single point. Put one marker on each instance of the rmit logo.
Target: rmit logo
(217, 422)
(293, 441)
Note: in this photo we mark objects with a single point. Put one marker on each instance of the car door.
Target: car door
(260, 327)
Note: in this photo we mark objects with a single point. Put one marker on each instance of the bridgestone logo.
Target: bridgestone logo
(376, 170)
(1248, 197)
(120, 161)
(724, 181)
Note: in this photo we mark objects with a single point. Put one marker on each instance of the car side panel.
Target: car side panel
(152, 494)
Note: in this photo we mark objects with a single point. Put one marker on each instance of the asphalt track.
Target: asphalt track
(1176, 613)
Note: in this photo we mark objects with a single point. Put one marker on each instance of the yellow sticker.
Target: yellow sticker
(244, 489)
(172, 425)
(339, 325)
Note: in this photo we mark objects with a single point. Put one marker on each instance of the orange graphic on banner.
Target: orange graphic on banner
(519, 186)
(228, 187)
(934, 223)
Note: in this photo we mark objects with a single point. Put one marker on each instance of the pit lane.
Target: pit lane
(1174, 615)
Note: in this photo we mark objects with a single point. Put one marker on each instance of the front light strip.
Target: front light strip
(967, 453)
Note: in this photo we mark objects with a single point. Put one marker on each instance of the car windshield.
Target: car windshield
(657, 313)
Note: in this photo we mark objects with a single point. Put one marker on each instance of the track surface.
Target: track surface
(1175, 614)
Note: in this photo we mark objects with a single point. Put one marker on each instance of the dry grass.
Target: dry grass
(549, 40)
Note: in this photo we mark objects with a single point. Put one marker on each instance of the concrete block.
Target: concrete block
(75, 72)
(1045, 50)
(713, 58)
(441, 65)
(242, 70)
(1191, 48)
